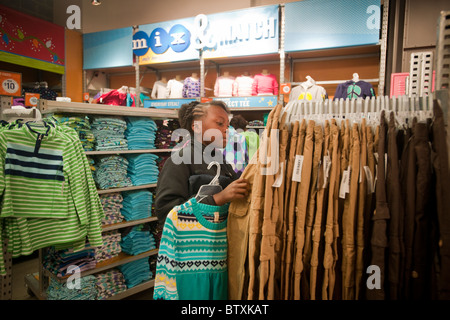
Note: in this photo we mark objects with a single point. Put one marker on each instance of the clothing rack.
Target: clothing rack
(335, 81)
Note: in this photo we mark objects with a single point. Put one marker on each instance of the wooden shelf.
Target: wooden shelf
(112, 190)
(116, 261)
(125, 224)
(97, 153)
(49, 106)
(129, 292)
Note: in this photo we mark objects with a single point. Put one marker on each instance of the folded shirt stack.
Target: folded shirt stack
(137, 204)
(163, 138)
(137, 241)
(109, 283)
(109, 133)
(67, 291)
(112, 205)
(142, 168)
(111, 172)
(140, 133)
(59, 261)
(111, 246)
(82, 126)
(136, 272)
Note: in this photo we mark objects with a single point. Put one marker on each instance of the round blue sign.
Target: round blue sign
(140, 43)
(159, 41)
(180, 38)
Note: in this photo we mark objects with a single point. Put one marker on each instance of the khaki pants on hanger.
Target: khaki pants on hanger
(331, 212)
(310, 212)
(266, 257)
(316, 273)
(302, 201)
(287, 182)
(348, 220)
(288, 292)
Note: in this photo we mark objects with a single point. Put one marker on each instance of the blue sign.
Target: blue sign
(165, 42)
(248, 102)
(245, 32)
(166, 103)
(108, 49)
(320, 24)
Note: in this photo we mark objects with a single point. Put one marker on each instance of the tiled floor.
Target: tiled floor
(26, 266)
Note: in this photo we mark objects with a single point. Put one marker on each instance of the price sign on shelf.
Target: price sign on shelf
(11, 83)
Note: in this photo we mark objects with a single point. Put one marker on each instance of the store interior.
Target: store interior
(406, 28)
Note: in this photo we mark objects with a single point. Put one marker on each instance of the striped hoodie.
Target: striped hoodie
(49, 196)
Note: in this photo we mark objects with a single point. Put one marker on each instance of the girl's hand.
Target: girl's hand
(238, 189)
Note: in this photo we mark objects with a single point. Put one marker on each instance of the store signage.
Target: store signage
(11, 84)
(166, 103)
(321, 24)
(31, 42)
(31, 99)
(248, 102)
(236, 33)
(245, 32)
(108, 49)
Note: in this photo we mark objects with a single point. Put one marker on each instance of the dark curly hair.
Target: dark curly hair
(238, 122)
(194, 110)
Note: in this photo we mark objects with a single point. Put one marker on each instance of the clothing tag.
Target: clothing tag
(369, 180)
(385, 164)
(216, 216)
(347, 185)
(360, 174)
(344, 181)
(375, 154)
(326, 170)
(297, 175)
(279, 179)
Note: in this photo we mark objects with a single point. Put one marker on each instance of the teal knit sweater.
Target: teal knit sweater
(192, 258)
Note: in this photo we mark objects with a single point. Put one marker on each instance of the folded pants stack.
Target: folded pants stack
(137, 241)
(142, 168)
(82, 126)
(61, 291)
(140, 133)
(137, 204)
(136, 272)
(163, 138)
(111, 172)
(112, 205)
(111, 246)
(58, 262)
(109, 133)
(109, 283)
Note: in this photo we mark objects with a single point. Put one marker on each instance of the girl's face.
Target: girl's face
(214, 125)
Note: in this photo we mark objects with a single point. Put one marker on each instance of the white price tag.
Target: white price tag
(297, 174)
(277, 183)
(343, 186)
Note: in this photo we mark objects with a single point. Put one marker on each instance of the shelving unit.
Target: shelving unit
(38, 282)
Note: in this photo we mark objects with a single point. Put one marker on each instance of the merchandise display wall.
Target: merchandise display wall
(327, 67)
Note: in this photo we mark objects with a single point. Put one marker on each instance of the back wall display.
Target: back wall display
(31, 42)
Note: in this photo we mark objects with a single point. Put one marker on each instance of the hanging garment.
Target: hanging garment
(264, 84)
(191, 88)
(308, 92)
(236, 151)
(223, 87)
(174, 89)
(113, 97)
(193, 254)
(39, 158)
(352, 90)
(242, 86)
(159, 90)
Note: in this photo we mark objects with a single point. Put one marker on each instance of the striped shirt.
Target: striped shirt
(193, 254)
(49, 196)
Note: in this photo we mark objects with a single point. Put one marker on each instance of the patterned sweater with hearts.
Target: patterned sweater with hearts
(192, 257)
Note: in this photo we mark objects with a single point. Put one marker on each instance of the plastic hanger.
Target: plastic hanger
(211, 188)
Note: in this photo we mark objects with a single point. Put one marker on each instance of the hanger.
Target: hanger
(211, 188)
